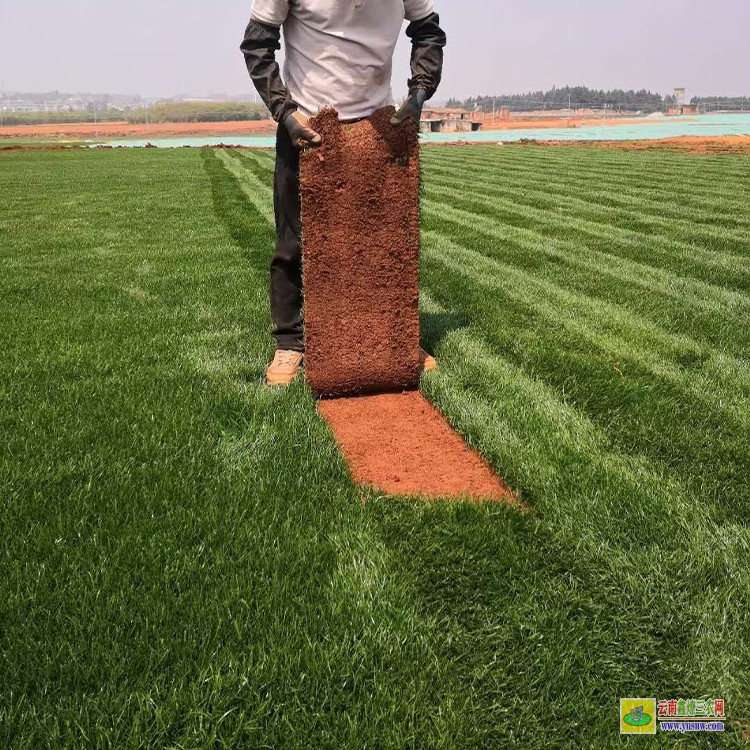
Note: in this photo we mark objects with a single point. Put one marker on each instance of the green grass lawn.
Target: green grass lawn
(185, 562)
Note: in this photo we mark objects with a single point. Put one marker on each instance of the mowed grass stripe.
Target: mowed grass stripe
(261, 158)
(583, 229)
(185, 550)
(709, 186)
(257, 192)
(639, 486)
(536, 432)
(582, 243)
(529, 430)
(159, 565)
(705, 443)
(624, 204)
(666, 198)
(259, 164)
(713, 323)
(610, 327)
(700, 172)
(715, 237)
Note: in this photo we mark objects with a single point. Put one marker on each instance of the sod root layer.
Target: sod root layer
(401, 445)
(360, 219)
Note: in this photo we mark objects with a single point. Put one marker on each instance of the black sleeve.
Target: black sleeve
(427, 42)
(259, 48)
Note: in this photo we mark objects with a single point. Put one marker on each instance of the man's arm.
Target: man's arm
(259, 47)
(427, 43)
(261, 42)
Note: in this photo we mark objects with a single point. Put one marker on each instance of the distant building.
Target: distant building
(448, 120)
(679, 107)
(19, 105)
(685, 109)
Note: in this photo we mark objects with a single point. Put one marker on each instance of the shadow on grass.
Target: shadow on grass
(250, 231)
(252, 234)
(435, 326)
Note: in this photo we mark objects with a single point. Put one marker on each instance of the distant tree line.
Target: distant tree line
(158, 113)
(576, 97)
(710, 103)
(199, 112)
(58, 118)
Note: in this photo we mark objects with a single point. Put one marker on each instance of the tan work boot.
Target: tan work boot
(427, 361)
(285, 367)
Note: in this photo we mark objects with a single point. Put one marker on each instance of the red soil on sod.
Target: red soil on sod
(360, 229)
(400, 444)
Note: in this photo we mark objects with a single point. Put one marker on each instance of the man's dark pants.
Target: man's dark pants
(286, 266)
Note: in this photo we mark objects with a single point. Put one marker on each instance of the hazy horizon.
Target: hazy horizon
(163, 48)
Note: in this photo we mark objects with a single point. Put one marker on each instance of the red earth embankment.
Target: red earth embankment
(689, 144)
(541, 122)
(85, 131)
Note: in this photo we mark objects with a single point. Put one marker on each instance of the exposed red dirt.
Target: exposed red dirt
(542, 122)
(690, 144)
(75, 131)
(360, 220)
(401, 445)
(706, 145)
(687, 144)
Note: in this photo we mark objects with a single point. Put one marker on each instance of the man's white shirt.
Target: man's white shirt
(340, 52)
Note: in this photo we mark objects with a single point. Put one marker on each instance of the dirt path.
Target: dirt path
(400, 444)
(84, 131)
(706, 144)
(562, 121)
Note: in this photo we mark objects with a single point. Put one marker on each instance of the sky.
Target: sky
(160, 48)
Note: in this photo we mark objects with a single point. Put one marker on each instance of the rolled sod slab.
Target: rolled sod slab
(360, 238)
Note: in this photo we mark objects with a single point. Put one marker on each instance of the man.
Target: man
(338, 53)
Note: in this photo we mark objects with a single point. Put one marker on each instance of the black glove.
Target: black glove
(411, 108)
(427, 43)
(300, 131)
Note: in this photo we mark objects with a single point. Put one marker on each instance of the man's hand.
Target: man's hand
(300, 131)
(411, 108)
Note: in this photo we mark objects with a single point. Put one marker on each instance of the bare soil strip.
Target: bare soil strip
(401, 445)
(706, 145)
(360, 219)
(84, 130)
